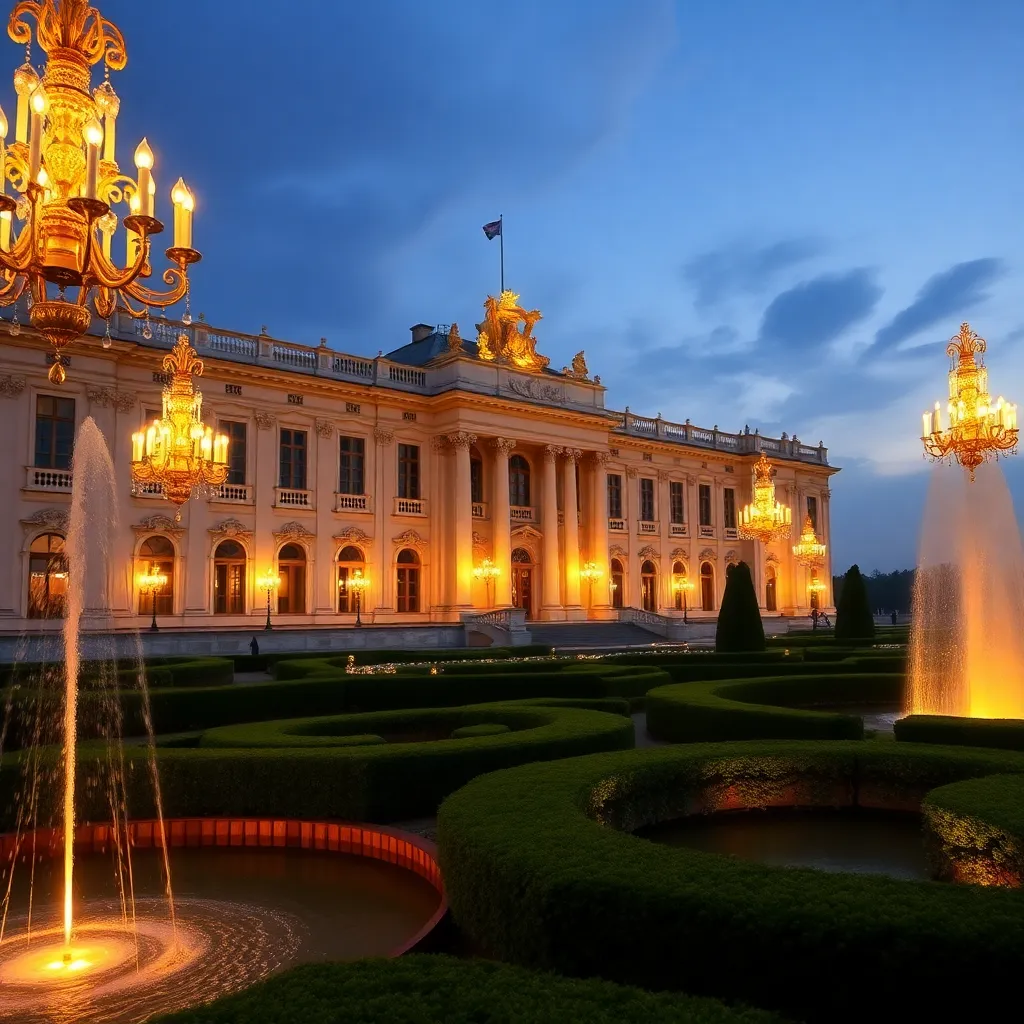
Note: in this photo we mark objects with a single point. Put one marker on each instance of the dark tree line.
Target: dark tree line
(887, 591)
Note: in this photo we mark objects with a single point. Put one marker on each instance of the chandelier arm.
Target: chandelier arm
(104, 303)
(118, 188)
(137, 313)
(103, 272)
(160, 299)
(13, 288)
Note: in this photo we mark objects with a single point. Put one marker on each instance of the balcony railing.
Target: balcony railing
(731, 533)
(522, 514)
(678, 530)
(37, 479)
(648, 526)
(234, 494)
(293, 497)
(480, 510)
(149, 489)
(616, 525)
(707, 531)
(410, 507)
(353, 503)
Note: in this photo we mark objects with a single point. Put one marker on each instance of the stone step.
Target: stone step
(591, 634)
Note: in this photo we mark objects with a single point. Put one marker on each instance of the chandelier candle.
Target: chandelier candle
(764, 519)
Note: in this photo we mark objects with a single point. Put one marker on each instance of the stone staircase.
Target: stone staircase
(596, 635)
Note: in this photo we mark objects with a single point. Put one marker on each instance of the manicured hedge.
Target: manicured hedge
(422, 989)
(746, 709)
(183, 671)
(539, 870)
(1004, 733)
(483, 729)
(324, 778)
(975, 830)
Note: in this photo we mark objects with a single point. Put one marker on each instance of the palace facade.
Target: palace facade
(411, 469)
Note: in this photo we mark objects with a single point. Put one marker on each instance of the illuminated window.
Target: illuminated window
(55, 432)
(408, 581)
(518, 482)
(707, 586)
(291, 590)
(229, 563)
(159, 552)
(350, 476)
(47, 577)
(350, 559)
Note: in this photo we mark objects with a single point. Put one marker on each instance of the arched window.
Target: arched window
(47, 577)
(291, 569)
(157, 552)
(476, 477)
(617, 583)
(771, 599)
(707, 586)
(229, 578)
(350, 560)
(518, 482)
(678, 572)
(408, 580)
(649, 587)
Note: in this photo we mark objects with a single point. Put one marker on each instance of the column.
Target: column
(825, 536)
(664, 513)
(552, 596)
(325, 583)
(194, 559)
(384, 472)
(599, 529)
(461, 442)
(264, 549)
(572, 528)
(501, 522)
(631, 500)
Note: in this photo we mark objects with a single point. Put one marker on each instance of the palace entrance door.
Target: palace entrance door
(522, 581)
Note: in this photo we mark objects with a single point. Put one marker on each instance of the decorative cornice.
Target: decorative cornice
(631, 472)
(293, 531)
(159, 524)
(617, 551)
(551, 452)
(11, 385)
(503, 445)
(649, 553)
(708, 555)
(325, 428)
(461, 439)
(680, 555)
(731, 558)
(231, 528)
(663, 476)
(481, 549)
(771, 558)
(264, 420)
(54, 518)
(409, 539)
(536, 390)
(527, 532)
(122, 401)
(383, 437)
(353, 535)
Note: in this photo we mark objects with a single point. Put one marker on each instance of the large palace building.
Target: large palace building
(413, 468)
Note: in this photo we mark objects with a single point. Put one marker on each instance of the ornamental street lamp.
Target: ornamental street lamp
(488, 572)
(178, 451)
(591, 572)
(682, 584)
(56, 234)
(152, 583)
(978, 429)
(269, 582)
(764, 519)
(358, 582)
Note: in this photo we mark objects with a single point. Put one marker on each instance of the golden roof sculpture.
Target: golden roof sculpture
(500, 339)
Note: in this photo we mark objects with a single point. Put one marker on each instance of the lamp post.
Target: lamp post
(358, 582)
(590, 572)
(487, 571)
(150, 583)
(269, 582)
(683, 585)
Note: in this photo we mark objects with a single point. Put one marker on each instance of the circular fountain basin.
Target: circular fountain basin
(251, 896)
(852, 839)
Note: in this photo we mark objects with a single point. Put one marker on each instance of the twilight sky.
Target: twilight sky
(746, 212)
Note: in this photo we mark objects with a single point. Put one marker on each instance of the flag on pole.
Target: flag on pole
(492, 230)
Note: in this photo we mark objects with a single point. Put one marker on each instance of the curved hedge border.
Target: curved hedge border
(745, 709)
(534, 875)
(1003, 733)
(443, 988)
(975, 830)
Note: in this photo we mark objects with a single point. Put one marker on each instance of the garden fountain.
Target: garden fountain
(966, 644)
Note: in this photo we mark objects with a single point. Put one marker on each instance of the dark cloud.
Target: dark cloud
(717, 274)
(944, 296)
(818, 311)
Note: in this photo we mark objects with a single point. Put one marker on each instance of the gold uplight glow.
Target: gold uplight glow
(809, 552)
(57, 230)
(764, 519)
(978, 429)
(179, 451)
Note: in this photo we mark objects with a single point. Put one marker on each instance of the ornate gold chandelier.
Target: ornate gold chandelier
(57, 234)
(764, 519)
(179, 451)
(978, 430)
(809, 552)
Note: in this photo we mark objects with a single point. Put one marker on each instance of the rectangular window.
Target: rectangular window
(647, 500)
(350, 477)
(293, 459)
(704, 501)
(55, 431)
(409, 471)
(729, 498)
(235, 432)
(812, 511)
(476, 480)
(677, 500)
(614, 496)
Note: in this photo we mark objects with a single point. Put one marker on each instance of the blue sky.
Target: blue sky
(771, 213)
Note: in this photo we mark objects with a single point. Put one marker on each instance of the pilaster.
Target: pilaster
(551, 597)
(501, 522)
(325, 596)
(385, 474)
(461, 442)
(571, 533)
(598, 531)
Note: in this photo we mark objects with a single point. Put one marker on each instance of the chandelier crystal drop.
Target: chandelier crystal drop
(57, 231)
(978, 429)
(809, 552)
(178, 451)
(764, 519)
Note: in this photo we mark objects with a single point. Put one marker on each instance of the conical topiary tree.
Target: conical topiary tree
(739, 620)
(854, 620)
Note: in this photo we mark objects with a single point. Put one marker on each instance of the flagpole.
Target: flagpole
(501, 243)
